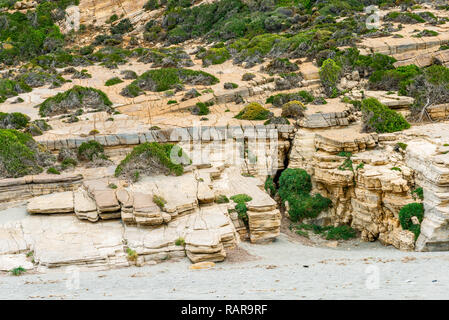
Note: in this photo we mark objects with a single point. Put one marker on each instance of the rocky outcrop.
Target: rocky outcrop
(15, 189)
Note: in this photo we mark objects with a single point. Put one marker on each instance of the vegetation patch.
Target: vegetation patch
(330, 75)
(73, 99)
(20, 155)
(254, 111)
(379, 118)
(113, 81)
(14, 120)
(281, 99)
(240, 207)
(152, 158)
(411, 216)
(167, 78)
(90, 151)
(294, 187)
(216, 56)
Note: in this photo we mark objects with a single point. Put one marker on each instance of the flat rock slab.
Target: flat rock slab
(11, 261)
(53, 203)
(106, 201)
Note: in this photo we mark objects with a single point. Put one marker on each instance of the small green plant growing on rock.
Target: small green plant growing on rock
(240, 207)
(329, 75)
(159, 201)
(253, 111)
(401, 145)
(132, 254)
(406, 215)
(418, 192)
(180, 242)
(17, 271)
(112, 186)
(221, 199)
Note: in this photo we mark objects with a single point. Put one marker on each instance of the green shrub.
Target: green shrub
(150, 158)
(405, 217)
(340, 233)
(397, 79)
(216, 56)
(221, 199)
(68, 162)
(418, 192)
(53, 170)
(203, 109)
(404, 17)
(159, 201)
(401, 145)
(293, 109)
(253, 111)
(379, 118)
(295, 186)
(151, 5)
(10, 88)
(112, 81)
(280, 99)
(269, 186)
(172, 102)
(330, 75)
(17, 271)
(122, 27)
(18, 154)
(294, 181)
(306, 206)
(166, 78)
(240, 207)
(132, 254)
(15, 120)
(180, 242)
(90, 150)
(74, 99)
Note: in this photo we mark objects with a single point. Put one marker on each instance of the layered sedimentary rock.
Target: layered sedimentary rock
(431, 165)
(366, 193)
(31, 186)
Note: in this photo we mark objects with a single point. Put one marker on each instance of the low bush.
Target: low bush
(20, 155)
(405, 217)
(330, 75)
(240, 207)
(152, 158)
(216, 56)
(294, 187)
(113, 81)
(379, 118)
(88, 151)
(293, 109)
(73, 99)
(253, 111)
(280, 99)
(14, 120)
(341, 233)
(163, 79)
